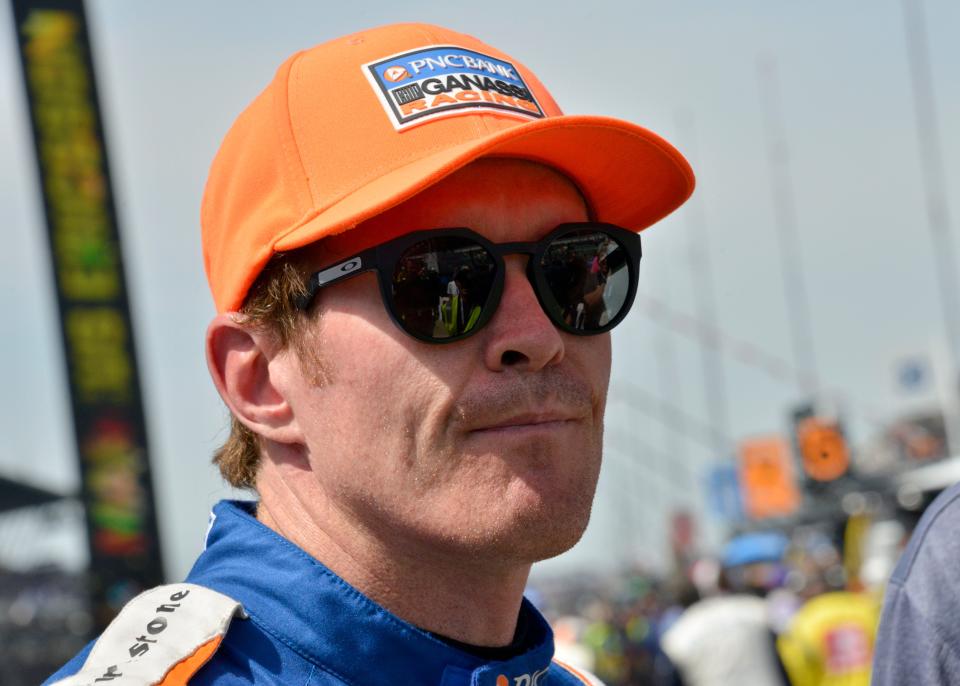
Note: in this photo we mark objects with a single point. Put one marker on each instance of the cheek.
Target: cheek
(381, 400)
(603, 357)
(592, 355)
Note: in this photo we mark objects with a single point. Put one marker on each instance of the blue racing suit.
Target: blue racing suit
(307, 626)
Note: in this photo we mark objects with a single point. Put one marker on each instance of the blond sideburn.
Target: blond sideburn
(269, 309)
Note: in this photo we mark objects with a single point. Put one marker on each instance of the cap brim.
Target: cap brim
(628, 175)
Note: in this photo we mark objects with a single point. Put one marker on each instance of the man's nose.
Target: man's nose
(520, 335)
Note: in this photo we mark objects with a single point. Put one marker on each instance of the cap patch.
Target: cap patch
(441, 81)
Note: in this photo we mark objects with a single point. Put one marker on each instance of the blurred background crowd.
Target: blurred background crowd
(784, 401)
(796, 604)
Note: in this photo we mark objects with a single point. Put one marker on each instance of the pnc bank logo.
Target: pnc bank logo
(523, 679)
(396, 73)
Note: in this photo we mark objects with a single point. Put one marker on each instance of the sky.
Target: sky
(173, 75)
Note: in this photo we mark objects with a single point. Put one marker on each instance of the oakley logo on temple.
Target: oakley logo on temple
(328, 276)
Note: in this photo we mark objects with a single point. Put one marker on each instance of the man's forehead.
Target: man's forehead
(457, 200)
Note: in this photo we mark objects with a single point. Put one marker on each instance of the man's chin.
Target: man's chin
(533, 536)
(547, 517)
(556, 543)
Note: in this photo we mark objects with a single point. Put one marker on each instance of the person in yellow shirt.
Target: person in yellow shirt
(829, 642)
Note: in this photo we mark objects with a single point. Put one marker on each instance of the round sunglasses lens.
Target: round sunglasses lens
(588, 275)
(441, 285)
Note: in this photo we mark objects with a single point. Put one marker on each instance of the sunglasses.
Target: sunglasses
(442, 285)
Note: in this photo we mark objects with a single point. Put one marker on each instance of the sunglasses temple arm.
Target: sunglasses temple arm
(328, 276)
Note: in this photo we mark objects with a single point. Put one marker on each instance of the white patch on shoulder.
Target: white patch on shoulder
(154, 632)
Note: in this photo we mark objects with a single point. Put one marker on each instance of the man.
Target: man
(409, 472)
(918, 641)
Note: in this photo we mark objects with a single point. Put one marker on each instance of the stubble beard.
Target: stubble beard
(556, 522)
(537, 531)
(538, 520)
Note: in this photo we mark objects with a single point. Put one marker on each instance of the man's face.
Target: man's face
(489, 446)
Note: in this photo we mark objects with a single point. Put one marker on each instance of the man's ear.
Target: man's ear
(239, 361)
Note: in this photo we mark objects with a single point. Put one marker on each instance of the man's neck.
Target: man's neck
(467, 600)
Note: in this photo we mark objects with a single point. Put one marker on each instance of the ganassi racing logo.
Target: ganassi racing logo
(440, 81)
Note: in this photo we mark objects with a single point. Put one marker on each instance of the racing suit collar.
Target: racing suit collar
(294, 597)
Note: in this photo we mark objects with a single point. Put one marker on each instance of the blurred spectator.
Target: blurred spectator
(727, 640)
(830, 640)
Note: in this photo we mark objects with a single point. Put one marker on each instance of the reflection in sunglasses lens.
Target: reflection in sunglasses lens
(440, 286)
(588, 277)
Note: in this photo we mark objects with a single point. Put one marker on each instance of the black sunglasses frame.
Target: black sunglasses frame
(384, 258)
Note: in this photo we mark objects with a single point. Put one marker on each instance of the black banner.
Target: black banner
(95, 324)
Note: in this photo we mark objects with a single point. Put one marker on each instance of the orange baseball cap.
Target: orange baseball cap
(352, 127)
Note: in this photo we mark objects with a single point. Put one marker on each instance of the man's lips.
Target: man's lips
(527, 422)
(551, 400)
